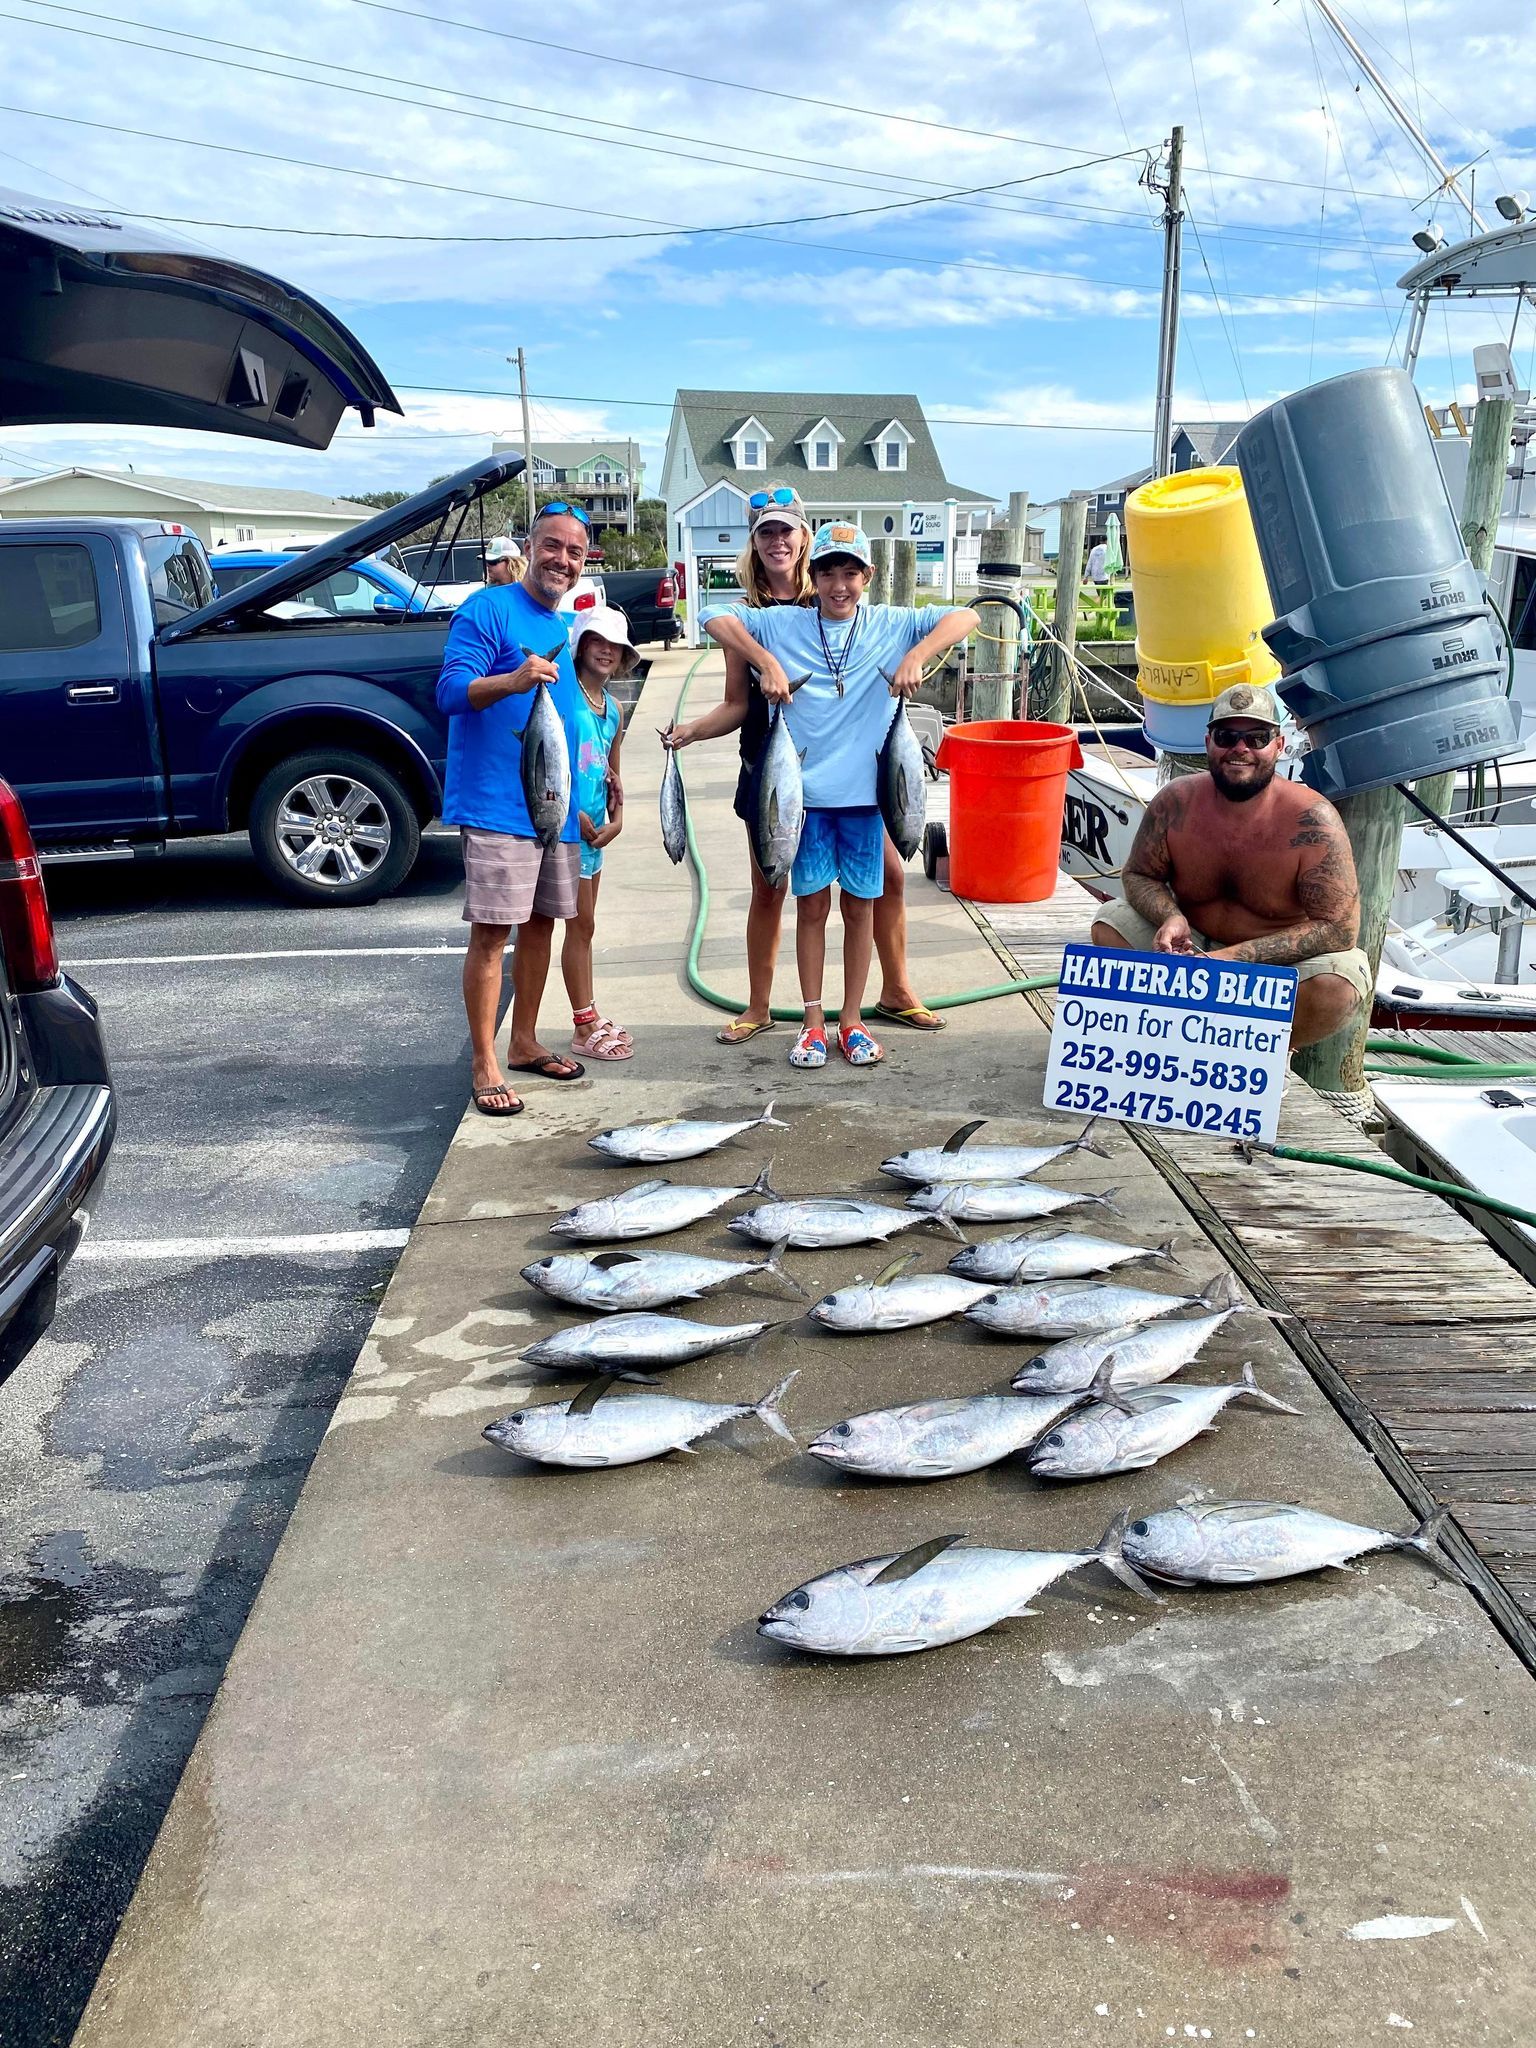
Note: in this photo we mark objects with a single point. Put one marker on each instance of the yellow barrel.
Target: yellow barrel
(1200, 599)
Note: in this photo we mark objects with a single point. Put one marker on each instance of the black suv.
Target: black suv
(57, 1110)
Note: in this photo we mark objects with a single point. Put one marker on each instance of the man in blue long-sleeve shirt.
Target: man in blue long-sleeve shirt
(505, 641)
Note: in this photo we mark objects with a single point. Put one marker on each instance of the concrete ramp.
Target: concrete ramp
(501, 1758)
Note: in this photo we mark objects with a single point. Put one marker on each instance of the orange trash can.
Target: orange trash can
(1007, 796)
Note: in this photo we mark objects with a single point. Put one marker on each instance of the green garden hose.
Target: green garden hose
(780, 1013)
(1451, 1189)
(1436, 1063)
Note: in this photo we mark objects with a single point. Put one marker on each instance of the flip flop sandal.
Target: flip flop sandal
(552, 1066)
(859, 1049)
(919, 1018)
(481, 1099)
(605, 1040)
(739, 1032)
(809, 1049)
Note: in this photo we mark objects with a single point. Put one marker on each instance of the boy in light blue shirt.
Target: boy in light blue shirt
(838, 720)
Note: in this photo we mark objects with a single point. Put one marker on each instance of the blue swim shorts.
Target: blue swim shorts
(846, 847)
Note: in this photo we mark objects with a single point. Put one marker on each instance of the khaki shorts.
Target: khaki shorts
(506, 880)
(1137, 931)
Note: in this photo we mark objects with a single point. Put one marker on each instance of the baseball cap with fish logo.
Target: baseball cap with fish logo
(840, 537)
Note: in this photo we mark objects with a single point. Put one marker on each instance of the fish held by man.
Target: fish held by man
(1140, 1428)
(611, 1282)
(546, 768)
(635, 1339)
(652, 1209)
(1059, 1255)
(939, 1592)
(899, 784)
(956, 1160)
(1250, 1542)
(674, 807)
(597, 1430)
(1078, 1308)
(680, 1138)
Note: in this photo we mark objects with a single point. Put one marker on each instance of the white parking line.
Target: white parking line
(298, 953)
(317, 1244)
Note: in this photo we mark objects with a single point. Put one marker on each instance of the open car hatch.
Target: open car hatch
(108, 322)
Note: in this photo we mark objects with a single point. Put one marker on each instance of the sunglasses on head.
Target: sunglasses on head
(782, 496)
(1228, 736)
(561, 507)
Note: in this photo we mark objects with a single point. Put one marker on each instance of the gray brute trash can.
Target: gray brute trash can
(1392, 659)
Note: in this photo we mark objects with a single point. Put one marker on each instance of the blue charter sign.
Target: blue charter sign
(1171, 1039)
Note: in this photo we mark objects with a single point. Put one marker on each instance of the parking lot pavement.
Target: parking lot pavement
(283, 1074)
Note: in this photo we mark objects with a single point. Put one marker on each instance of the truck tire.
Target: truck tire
(331, 827)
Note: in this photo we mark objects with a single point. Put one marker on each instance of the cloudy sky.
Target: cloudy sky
(454, 187)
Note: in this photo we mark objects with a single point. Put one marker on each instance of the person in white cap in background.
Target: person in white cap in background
(1240, 864)
(603, 650)
(503, 560)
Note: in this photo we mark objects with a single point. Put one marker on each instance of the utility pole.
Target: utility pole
(522, 386)
(1168, 330)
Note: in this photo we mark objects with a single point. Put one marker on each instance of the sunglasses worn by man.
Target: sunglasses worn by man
(562, 508)
(1256, 736)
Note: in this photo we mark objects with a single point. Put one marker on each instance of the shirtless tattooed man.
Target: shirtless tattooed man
(1242, 866)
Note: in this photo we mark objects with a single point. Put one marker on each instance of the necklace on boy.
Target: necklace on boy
(838, 664)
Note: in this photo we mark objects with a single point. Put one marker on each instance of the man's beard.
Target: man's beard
(1242, 792)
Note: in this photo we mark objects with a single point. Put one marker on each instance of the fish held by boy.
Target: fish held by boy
(545, 763)
(652, 1209)
(939, 1592)
(596, 1430)
(1250, 1542)
(955, 1161)
(776, 803)
(679, 1138)
(1060, 1255)
(611, 1282)
(1139, 1428)
(1075, 1308)
(674, 807)
(944, 1439)
(897, 1300)
(899, 784)
(629, 1340)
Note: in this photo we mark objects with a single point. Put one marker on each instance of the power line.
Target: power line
(1049, 209)
(545, 205)
(247, 69)
(676, 71)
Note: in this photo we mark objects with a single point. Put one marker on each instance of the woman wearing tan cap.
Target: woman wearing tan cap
(772, 570)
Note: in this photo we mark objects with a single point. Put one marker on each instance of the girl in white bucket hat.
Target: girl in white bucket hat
(603, 650)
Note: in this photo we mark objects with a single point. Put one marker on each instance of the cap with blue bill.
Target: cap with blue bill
(839, 537)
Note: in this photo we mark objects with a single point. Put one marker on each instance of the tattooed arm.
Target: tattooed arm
(1148, 873)
(1327, 890)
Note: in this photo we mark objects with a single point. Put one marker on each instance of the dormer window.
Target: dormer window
(819, 445)
(749, 445)
(890, 445)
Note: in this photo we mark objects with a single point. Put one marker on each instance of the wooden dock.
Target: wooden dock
(1421, 1333)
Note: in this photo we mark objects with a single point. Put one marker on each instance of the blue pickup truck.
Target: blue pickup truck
(138, 706)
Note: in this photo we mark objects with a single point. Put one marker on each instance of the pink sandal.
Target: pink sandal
(604, 1040)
